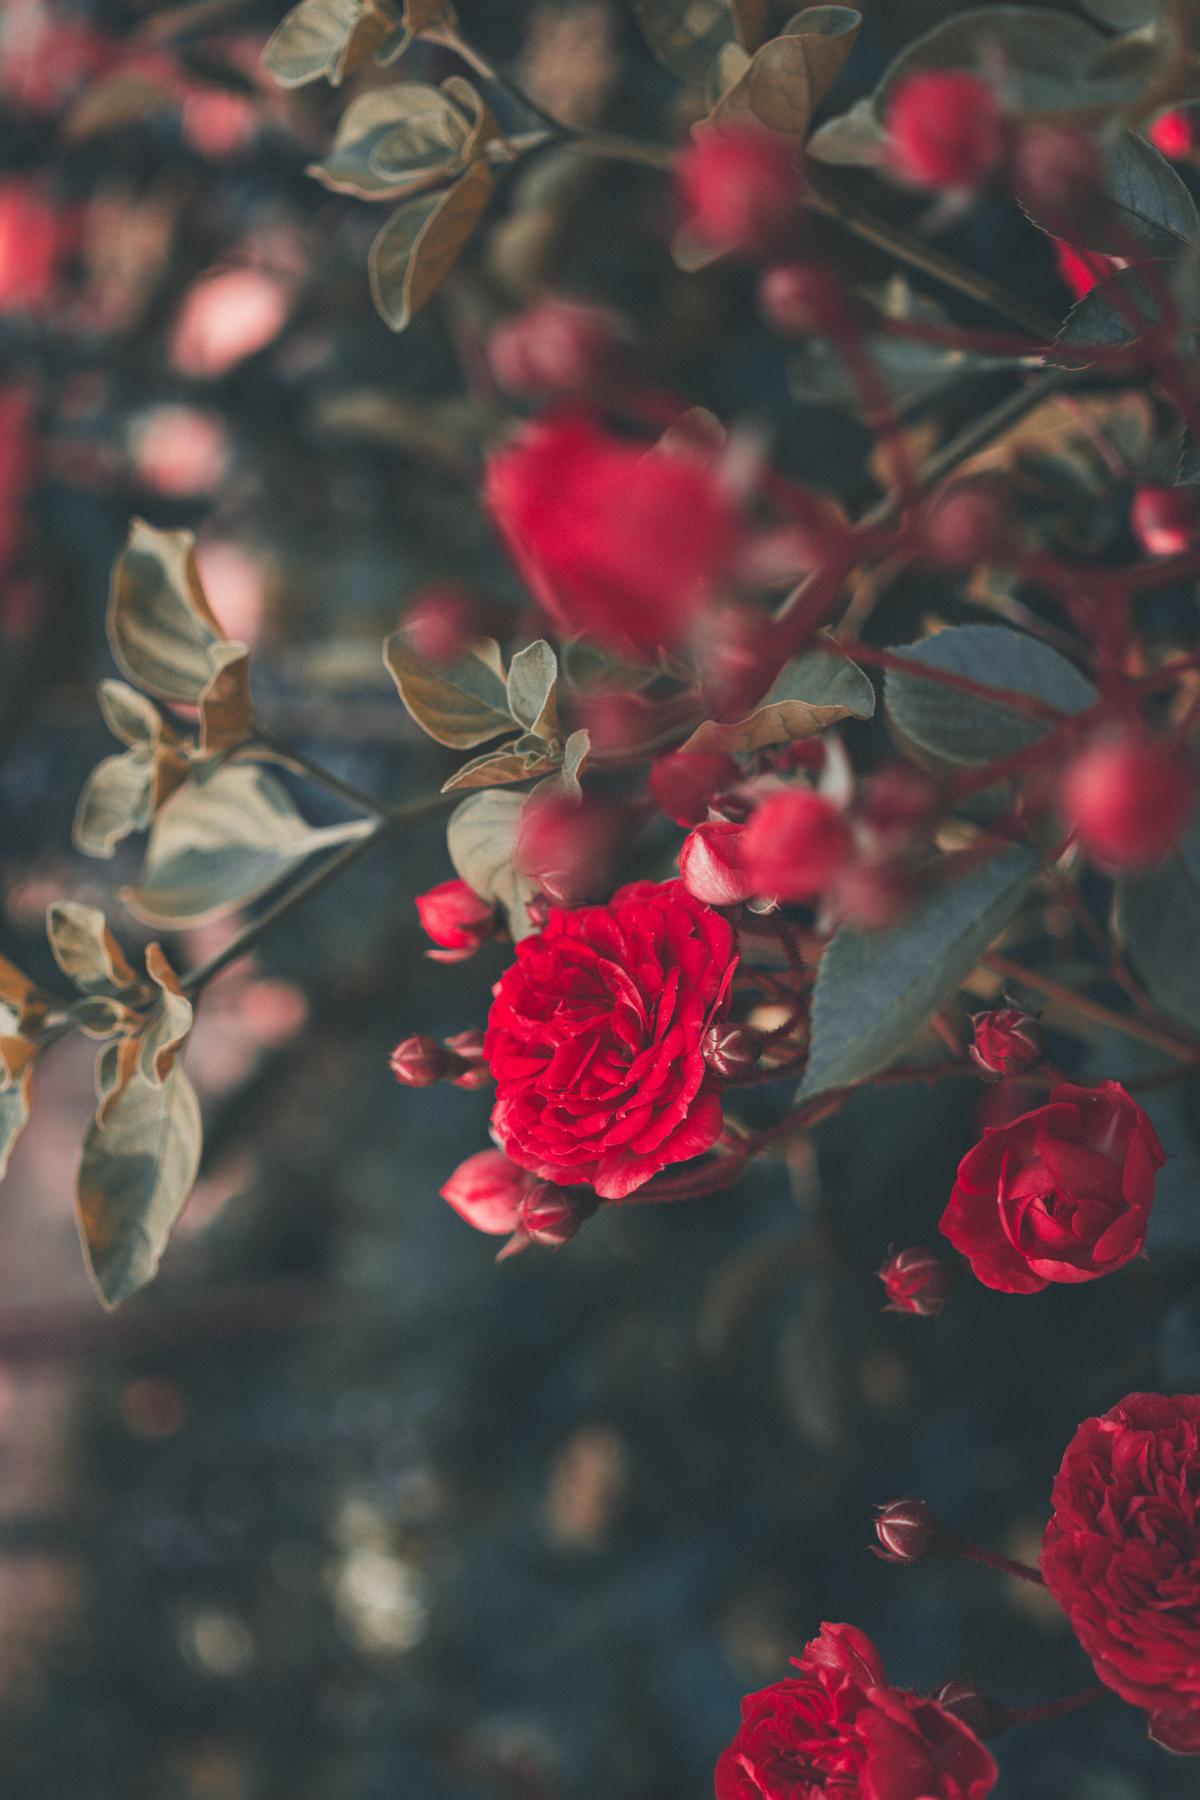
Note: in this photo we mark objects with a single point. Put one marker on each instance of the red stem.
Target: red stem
(1055, 1709)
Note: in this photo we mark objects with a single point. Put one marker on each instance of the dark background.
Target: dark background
(339, 1510)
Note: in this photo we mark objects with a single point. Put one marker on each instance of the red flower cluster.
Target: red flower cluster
(1061, 1194)
(1121, 1556)
(839, 1728)
(595, 1038)
(618, 543)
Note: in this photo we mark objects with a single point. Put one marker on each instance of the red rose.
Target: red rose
(838, 1728)
(617, 542)
(1121, 1556)
(454, 916)
(947, 130)
(595, 1039)
(1061, 1194)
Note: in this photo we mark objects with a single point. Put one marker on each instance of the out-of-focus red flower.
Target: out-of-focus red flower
(796, 844)
(800, 299)
(713, 865)
(838, 1728)
(180, 451)
(1058, 173)
(684, 781)
(226, 317)
(739, 188)
(1121, 1556)
(568, 845)
(1175, 133)
(917, 1281)
(1128, 799)
(457, 920)
(216, 122)
(618, 543)
(36, 236)
(971, 522)
(1062, 1193)
(1165, 519)
(556, 349)
(946, 130)
(596, 1033)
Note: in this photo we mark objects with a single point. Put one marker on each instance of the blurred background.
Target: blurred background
(339, 1510)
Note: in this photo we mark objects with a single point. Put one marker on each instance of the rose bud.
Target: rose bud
(1006, 1042)
(1174, 132)
(684, 781)
(907, 1531)
(551, 1215)
(731, 1050)
(806, 300)
(441, 623)
(947, 131)
(555, 348)
(468, 1069)
(1128, 800)
(712, 864)
(419, 1062)
(796, 845)
(1164, 519)
(739, 187)
(970, 523)
(1058, 174)
(917, 1281)
(966, 1700)
(487, 1191)
(454, 916)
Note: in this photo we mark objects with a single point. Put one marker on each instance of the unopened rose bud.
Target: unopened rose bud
(684, 781)
(1058, 174)
(1128, 799)
(907, 1531)
(487, 1190)
(1006, 1042)
(796, 845)
(966, 1700)
(731, 1050)
(555, 349)
(968, 524)
(917, 1281)
(712, 864)
(551, 1215)
(419, 1062)
(441, 623)
(739, 187)
(806, 300)
(1165, 519)
(947, 131)
(457, 920)
(465, 1055)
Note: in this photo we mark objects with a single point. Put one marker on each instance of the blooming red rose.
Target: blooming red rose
(457, 920)
(617, 542)
(1062, 1193)
(838, 1728)
(1121, 1556)
(595, 1038)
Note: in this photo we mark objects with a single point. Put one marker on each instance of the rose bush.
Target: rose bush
(595, 1038)
(1121, 1555)
(1061, 1194)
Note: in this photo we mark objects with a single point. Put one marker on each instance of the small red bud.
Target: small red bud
(970, 523)
(441, 623)
(739, 187)
(731, 1050)
(966, 1700)
(551, 1215)
(806, 299)
(1006, 1042)
(457, 920)
(465, 1049)
(947, 130)
(907, 1531)
(1059, 175)
(796, 845)
(487, 1191)
(1165, 519)
(555, 349)
(419, 1062)
(1175, 132)
(712, 864)
(917, 1281)
(1128, 800)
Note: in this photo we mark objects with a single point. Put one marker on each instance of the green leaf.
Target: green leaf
(962, 728)
(576, 751)
(462, 705)
(1045, 54)
(685, 35)
(115, 801)
(1150, 207)
(1158, 914)
(420, 121)
(482, 838)
(87, 952)
(853, 140)
(521, 760)
(167, 1024)
(136, 1173)
(911, 371)
(327, 38)
(128, 714)
(225, 838)
(790, 76)
(421, 242)
(532, 680)
(809, 694)
(1114, 312)
(874, 990)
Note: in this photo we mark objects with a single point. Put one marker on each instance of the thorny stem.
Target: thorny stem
(1055, 1709)
(965, 1551)
(1183, 1049)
